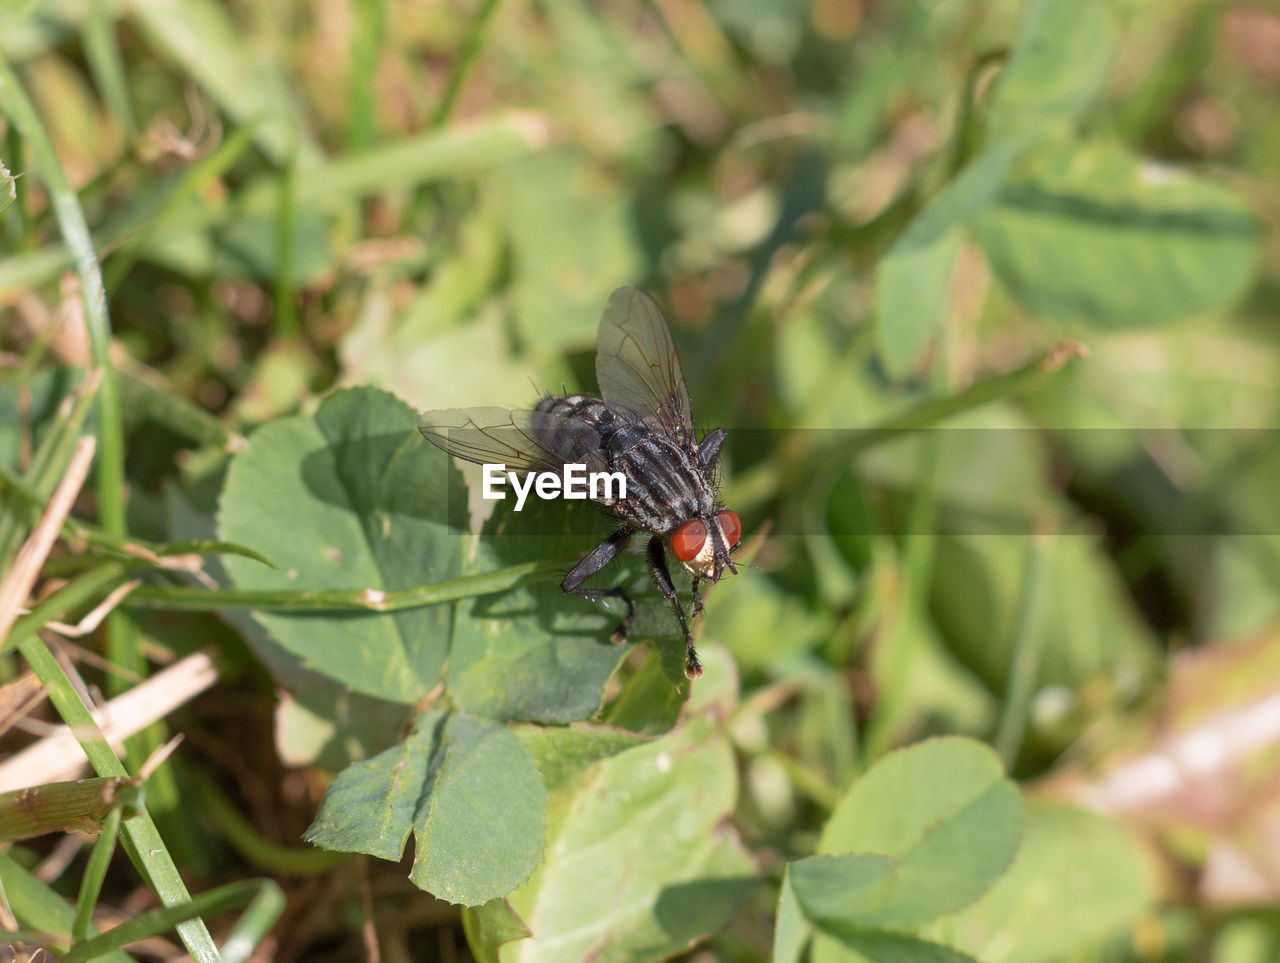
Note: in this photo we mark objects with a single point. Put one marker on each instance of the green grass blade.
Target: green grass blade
(466, 59)
(264, 900)
(1025, 651)
(95, 872)
(367, 37)
(98, 33)
(182, 599)
(143, 842)
(41, 910)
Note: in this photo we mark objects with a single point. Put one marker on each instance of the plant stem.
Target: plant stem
(182, 599)
(798, 461)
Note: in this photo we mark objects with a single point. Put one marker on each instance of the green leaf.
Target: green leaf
(648, 703)
(534, 653)
(485, 780)
(1058, 67)
(913, 286)
(848, 887)
(563, 753)
(572, 243)
(791, 931)
(1078, 879)
(1099, 235)
(489, 926)
(451, 783)
(871, 946)
(913, 282)
(370, 806)
(945, 812)
(350, 498)
(639, 863)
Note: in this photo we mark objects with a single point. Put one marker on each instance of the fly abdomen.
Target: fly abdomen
(577, 423)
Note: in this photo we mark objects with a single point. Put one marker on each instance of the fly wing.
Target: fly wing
(489, 436)
(637, 367)
(520, 440)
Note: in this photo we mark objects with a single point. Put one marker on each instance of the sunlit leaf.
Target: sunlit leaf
(450, 784)
(639, 860)
(1096, 234)
(949, 843)
(350, 498)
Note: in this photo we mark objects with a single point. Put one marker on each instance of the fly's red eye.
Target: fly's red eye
(688, 539)
(731, 527)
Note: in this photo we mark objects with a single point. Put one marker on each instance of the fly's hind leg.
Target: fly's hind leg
(594, 561)
(662, 577)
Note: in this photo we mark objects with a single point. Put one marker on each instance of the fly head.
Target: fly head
(703, 545)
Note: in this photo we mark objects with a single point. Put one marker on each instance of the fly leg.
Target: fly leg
(662, 577)
(696, 608)
(594, 561)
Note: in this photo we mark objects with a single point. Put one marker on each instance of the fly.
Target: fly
(642, 426)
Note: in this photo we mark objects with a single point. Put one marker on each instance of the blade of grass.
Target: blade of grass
(54, 757)
(131, 549)
(75, 232)
(470, 50)
(122, 637)
(263, 898)
(92, 584)
(366, 44)
(98, 33)
(82, 806)
(286, 314)
(902, 643)
(95, 871)
(433, 156)
(17, 224)
(142, 840)
(1024, 649)
(182, 599)
(41, 909)
(49, 462)
(8, 188)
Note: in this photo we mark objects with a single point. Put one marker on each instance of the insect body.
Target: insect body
(642, 427)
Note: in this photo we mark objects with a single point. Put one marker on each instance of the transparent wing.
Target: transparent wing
(489, 435)
(636, 363)
(521, 440)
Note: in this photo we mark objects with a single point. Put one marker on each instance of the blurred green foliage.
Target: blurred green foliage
(314, 220)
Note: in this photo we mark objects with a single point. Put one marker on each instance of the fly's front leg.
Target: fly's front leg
(594, 561)
(696, 608)
(662, 577)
